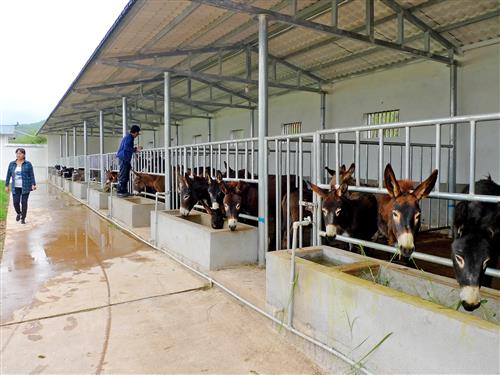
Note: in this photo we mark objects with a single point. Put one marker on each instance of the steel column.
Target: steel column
(452, 164)
(61, 146)
(252, 123)
(124, 116)
(101, 147)
(167, 136)
(85, 153)
(263, 126)
(74, 144)
(210, 130)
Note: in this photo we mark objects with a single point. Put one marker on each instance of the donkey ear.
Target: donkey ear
(390, 182)
(223, 187)
(350, 172)
(342, 190)
(331, 172)
(206, 207)
(240, 187)
(187, 180)
(342, 168)
(208, 177)
(424, 189)
(219, 177)
(323, 194)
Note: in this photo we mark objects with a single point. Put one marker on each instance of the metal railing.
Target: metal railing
(295, 159)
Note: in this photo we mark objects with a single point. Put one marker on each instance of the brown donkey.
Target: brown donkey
(345, 177)
(399, 211)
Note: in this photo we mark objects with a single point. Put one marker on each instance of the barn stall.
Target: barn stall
(287, 88)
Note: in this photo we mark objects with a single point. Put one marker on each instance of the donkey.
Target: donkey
(239, 196)
(111, 177)
(354, 215)
(217, 217)
(192, 190)
(142, 181)
(345, 177)
(477, 243)
(399, 211)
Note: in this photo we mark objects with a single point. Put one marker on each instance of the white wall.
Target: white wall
(419, 90)
(36, 154)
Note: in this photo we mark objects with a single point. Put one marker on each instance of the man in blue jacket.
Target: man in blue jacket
(124, 155)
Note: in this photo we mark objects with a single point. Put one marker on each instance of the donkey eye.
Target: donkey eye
(226, 206)
(395, 213)
(185, 197)
(238, 206)
(325, 211)
(460, 261)
(485, 263)
(337, 211)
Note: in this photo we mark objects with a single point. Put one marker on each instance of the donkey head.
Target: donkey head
(335, 208)
(139, 182)
(217, 217)
(405, 209)
(233, 193)
(344, 174)
(189, 192)
(215, 192)
(477, 241)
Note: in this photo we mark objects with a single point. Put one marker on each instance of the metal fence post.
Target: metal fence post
(263, 126)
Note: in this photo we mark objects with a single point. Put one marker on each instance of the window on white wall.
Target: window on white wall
(197, 139)
(237, 134)
(291, 128)
(379, 118)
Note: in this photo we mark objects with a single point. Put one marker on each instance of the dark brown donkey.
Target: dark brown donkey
(345, 177)
(399, 211)
(192, 190)
(352, 215)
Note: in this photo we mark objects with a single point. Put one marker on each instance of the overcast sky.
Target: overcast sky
(43, 46)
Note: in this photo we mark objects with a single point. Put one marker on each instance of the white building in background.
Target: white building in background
(35, 153)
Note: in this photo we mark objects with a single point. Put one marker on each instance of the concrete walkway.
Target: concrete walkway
(80, 296)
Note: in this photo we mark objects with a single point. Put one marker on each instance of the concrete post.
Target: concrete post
(167, 136)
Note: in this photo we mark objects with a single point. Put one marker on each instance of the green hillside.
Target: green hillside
(25, 133)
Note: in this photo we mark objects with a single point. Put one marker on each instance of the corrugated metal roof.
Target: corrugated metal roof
(298, 55)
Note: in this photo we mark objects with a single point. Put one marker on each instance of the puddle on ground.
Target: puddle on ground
(70, 237)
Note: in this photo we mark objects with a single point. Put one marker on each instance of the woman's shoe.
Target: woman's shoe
(22, 221)
(18, 217)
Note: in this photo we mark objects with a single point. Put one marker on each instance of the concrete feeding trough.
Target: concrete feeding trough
(66, 185)
(58, 181)
(132, 211)
(97, 199)
(352, 302)
(193, 239)
(79, 189)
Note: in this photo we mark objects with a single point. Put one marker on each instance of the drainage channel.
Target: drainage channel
(355, 365)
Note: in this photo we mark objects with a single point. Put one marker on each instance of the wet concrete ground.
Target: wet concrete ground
(80, 296)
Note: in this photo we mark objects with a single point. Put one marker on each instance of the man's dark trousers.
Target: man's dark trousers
(123, 176)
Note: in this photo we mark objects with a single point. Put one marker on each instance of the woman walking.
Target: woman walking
(20, 173)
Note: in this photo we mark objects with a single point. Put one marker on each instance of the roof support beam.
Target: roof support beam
(179, 52)
(318, 27)
(292, 66)
(210, 77)
(410, 17)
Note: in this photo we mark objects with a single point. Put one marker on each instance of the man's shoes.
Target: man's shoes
(123, 195)
(18, 217)
(22, 221)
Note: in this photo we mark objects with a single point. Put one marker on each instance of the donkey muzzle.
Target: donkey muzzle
(184, 211)
(231, 223)
(331, 230)
(406, 244)
(470, 297)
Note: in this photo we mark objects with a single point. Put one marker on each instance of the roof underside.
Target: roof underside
(210, 48)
